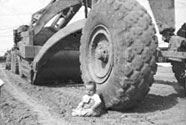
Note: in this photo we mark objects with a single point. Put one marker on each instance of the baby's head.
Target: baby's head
(90, 88)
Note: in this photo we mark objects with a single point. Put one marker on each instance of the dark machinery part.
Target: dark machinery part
(29, 40)
(176, 53)
(179, 68)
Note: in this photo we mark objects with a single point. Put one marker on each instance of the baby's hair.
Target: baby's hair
(92, 83)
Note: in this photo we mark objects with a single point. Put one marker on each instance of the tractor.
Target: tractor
(115, 45)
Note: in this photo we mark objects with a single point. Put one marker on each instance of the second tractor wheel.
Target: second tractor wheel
(179, 69)
(20, 67)
(117, 51)
(14, 63)
(8, 61)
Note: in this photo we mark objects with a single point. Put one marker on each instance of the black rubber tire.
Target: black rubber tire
(20, 68)
(14, 63)
(179, 69)
(8, 62)
(134, 46)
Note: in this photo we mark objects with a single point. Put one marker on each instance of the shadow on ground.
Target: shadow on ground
(156, 102)
(57, 84)
(151, 103)
(177, 87)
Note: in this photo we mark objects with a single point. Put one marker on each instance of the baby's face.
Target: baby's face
(90, 90)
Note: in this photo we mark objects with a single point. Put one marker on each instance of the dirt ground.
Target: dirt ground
(25, 104)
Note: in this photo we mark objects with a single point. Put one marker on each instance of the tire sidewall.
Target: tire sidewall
(100, 18)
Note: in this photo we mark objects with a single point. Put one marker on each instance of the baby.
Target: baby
(90, 104)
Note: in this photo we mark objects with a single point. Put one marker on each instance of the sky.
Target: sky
(14, 13)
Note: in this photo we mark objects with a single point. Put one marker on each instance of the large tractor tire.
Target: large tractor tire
(117, 51)
(179, 70)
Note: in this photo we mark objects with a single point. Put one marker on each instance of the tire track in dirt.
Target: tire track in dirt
(42, 110)
(59, 100)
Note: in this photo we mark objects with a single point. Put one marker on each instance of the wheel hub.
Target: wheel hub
(100, 54)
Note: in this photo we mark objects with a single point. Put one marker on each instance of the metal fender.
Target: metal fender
(41, 57)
